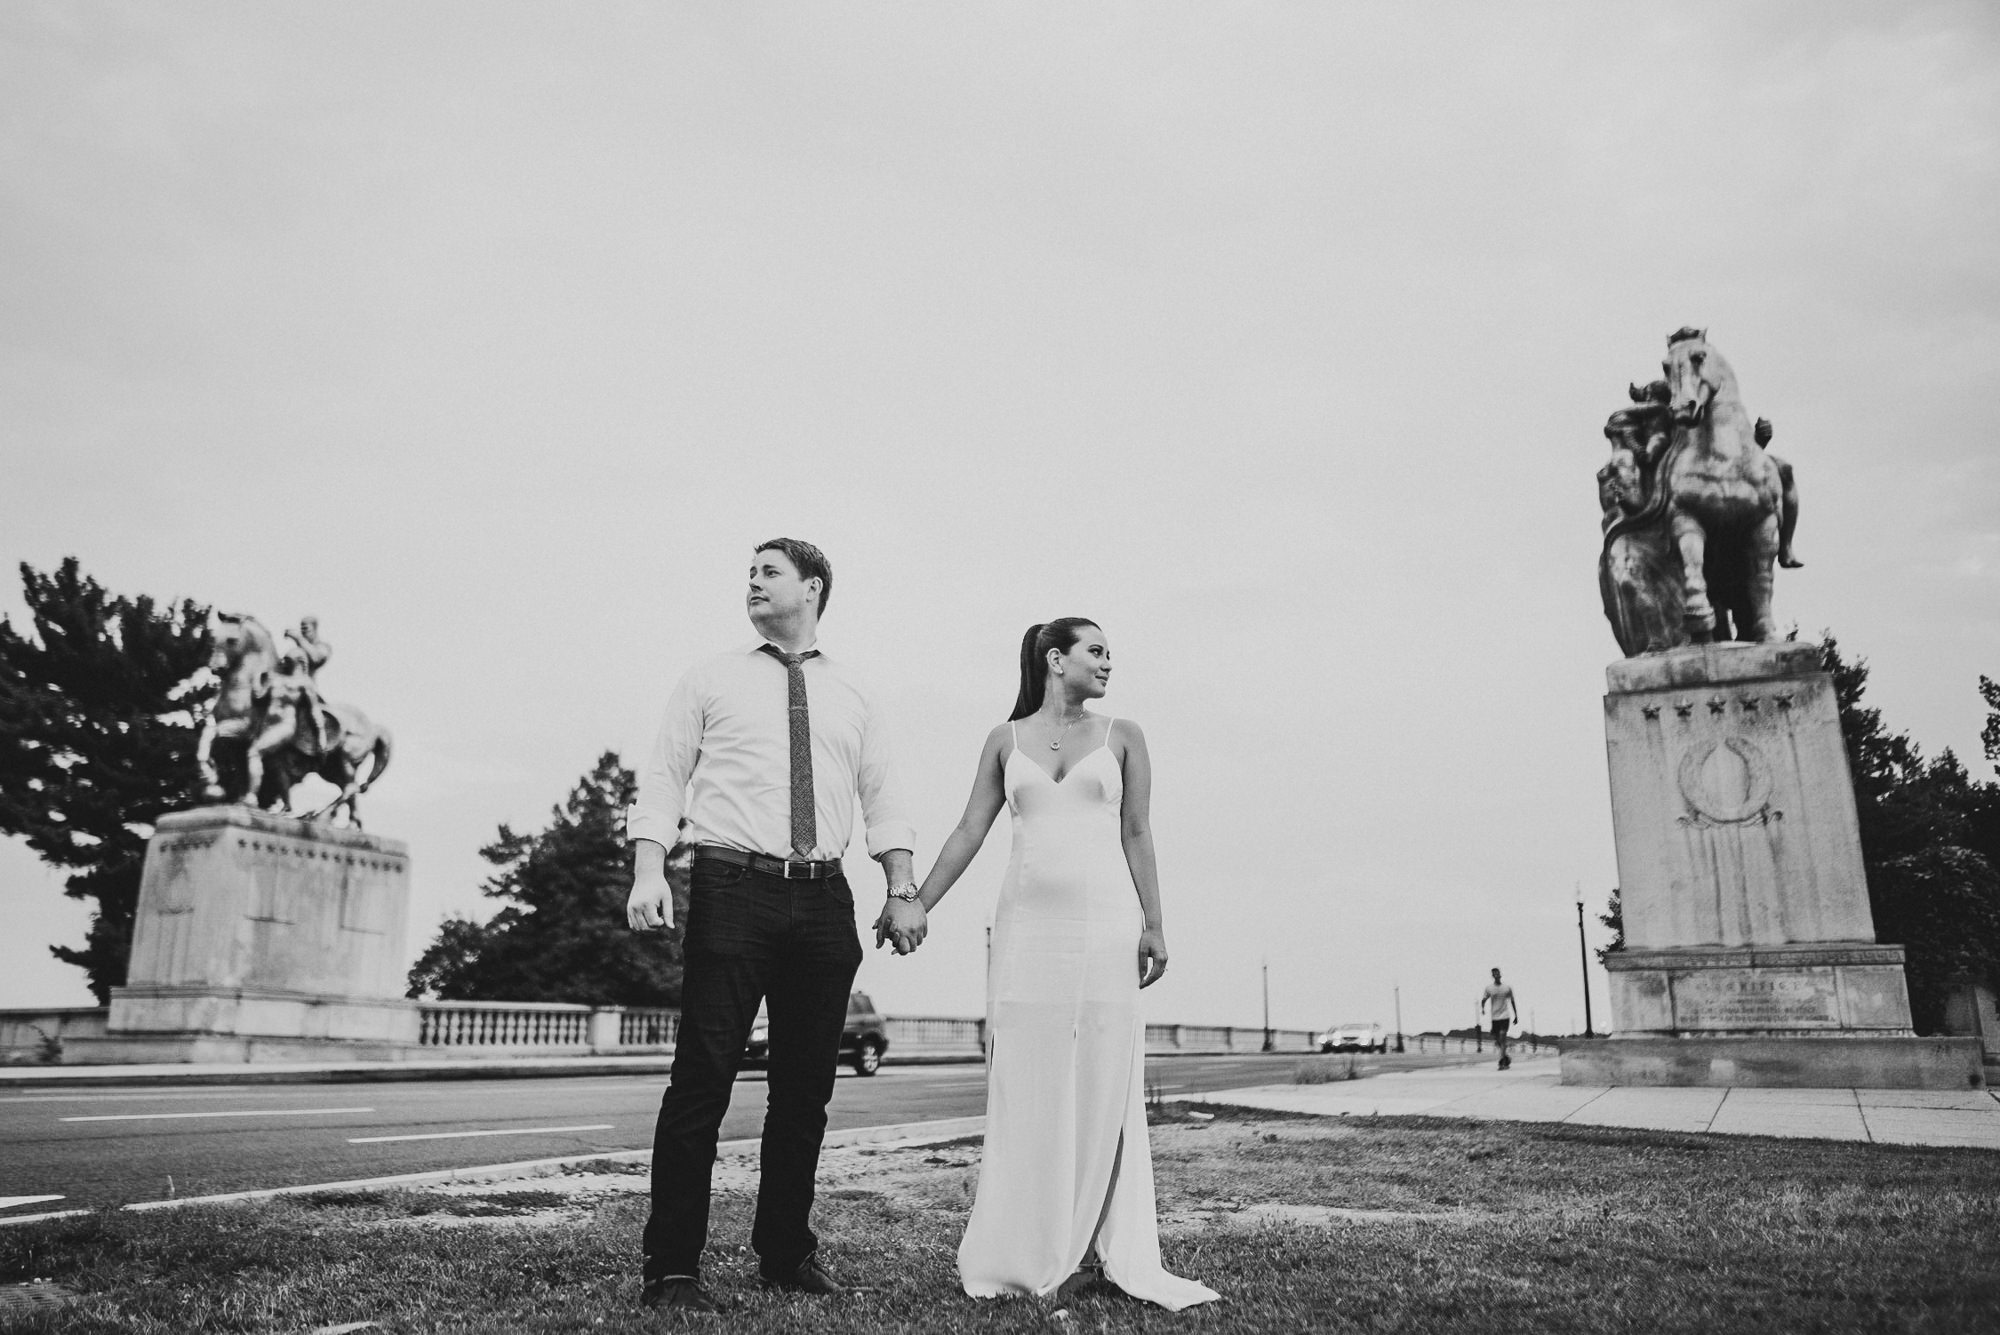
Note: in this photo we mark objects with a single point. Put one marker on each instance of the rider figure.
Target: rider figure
(1646, 424)
(1788, 522)
(300, 684)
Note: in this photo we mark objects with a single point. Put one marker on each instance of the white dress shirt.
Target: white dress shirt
(723, 760)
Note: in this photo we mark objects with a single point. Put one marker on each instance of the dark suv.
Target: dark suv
(862, 1042)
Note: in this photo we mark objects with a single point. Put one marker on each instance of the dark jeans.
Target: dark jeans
(751, 938)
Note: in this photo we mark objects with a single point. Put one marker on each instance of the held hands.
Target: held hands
(651, 903)
(1152, 956)
(903, 922)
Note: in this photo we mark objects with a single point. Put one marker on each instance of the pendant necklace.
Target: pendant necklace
(1056, 745)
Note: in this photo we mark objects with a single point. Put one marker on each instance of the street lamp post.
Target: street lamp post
(1268, 1044)
(1583, 956)
(1398, 990)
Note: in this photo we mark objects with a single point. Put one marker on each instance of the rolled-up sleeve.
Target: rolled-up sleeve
(885, 807)
(656, 812)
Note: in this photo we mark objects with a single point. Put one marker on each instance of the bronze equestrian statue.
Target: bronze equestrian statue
(1696, 511)
(275, 728)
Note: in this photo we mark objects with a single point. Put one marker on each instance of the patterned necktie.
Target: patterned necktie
(805, 818)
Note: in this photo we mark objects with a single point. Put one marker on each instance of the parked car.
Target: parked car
(1354, 1038)
(862, 1042)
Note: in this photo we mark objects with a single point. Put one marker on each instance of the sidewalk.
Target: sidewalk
(1531, 1092)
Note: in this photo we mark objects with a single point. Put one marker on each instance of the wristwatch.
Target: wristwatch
(906, 892)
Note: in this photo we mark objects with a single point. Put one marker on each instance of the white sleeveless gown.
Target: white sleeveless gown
(1066, 1158)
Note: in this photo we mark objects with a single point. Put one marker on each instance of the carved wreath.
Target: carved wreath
(1756, 803)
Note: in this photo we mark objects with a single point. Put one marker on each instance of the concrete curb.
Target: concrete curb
(901, 1133)
(304, 1073)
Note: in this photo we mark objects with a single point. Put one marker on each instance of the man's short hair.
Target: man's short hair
(809, 560)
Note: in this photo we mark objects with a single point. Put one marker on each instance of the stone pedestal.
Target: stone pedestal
(260, 937)
(1747, 924)
(1970, 1009)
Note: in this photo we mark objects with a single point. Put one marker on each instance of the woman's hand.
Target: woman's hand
(1152, 956)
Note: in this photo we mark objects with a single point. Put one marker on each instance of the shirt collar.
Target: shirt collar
(757, 647)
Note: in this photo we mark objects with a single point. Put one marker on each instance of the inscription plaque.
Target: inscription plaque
(1764, 999)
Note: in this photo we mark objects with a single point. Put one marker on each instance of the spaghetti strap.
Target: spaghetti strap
(1014, 727)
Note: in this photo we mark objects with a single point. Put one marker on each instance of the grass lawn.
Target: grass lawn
(1392, 1224)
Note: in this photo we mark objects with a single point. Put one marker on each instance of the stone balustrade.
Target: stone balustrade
(504, 1024)
(647, 1027)
(555, 1026)
(1213, 1038)
(473, 1029)
(31, 1036)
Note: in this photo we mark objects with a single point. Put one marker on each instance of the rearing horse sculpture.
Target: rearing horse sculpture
(1725, 497)
(254, 710)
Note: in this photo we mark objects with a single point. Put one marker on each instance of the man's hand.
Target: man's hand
(1152, 956)
(651, 903)
(904, 922)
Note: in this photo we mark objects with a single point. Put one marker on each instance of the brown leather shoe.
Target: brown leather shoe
(680, 1293)
(808, 1276)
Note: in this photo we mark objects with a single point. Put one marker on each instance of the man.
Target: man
(1788, 521)
(1498, 1003)
(310, 653)
(763, 751)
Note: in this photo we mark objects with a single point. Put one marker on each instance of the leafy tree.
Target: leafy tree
(97, 739)
(1930, 843)
(562, 935)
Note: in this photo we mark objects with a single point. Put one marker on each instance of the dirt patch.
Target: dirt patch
(945, 1174)
(1270, 1214)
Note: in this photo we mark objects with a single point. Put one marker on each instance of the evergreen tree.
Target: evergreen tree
(562, 935)
(1989, 736)
(1930, 843)
(97, 738)
(1613, 917)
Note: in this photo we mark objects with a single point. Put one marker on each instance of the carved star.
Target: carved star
(1716, 704)
(1683, 707)
(1784, 699)
(1749, 704)
(1650, 711)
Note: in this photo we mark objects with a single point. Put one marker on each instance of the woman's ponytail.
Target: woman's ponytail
(1034, 675)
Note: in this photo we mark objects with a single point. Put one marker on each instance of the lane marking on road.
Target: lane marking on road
(225, 1092)
(236, 1112)
(463, 1135)
(9, 1202)
(412, 1091)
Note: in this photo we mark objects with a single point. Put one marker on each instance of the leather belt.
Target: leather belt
(789, 869)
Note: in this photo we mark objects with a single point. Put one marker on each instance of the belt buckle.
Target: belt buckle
(805, 873)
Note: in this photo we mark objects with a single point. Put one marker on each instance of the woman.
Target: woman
(1067, 1170)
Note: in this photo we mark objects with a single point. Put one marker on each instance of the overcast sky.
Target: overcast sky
(1277, 338)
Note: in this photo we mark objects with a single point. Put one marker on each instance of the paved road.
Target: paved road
(93, 1147)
